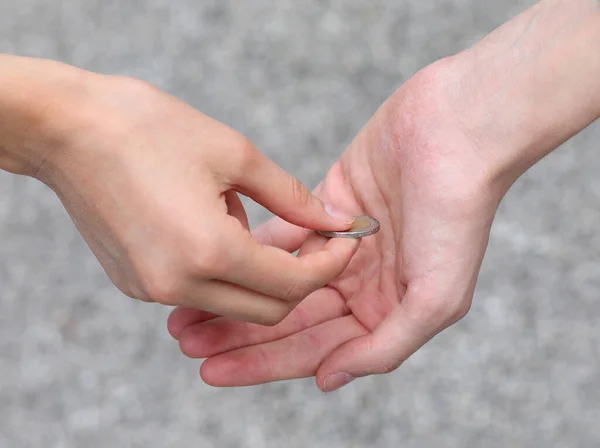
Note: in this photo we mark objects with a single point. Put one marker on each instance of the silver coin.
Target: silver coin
(362, 226)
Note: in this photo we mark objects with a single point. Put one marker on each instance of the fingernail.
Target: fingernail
(339, 215)
(336, 380)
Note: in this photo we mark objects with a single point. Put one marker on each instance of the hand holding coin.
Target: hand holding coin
(361, 227)
(152, 185)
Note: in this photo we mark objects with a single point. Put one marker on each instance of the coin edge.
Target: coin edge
(353, 235)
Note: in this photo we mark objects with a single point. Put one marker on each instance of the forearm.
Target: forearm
(35, 101)
(532, 84)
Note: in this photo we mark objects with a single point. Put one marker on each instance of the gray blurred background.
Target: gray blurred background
(81, 365)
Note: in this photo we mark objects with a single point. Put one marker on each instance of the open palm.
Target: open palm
(415, 169)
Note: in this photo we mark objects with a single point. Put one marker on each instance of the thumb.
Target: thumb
(412, 323)
(379, 352)
(285, 196)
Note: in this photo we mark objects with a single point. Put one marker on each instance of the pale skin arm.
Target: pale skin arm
(532, 84)
(152, 185)
(432, 164)
(30, 90)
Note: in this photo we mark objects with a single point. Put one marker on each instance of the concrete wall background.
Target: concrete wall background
(80, 365)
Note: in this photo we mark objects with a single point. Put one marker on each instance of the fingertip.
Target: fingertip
(349, 361)
(206, 374)
(181, 318)
(344, 247)
(211, 375)
(335, 381)
(224, 371)
(204, 340)
(174, 324)
(343, 250)
(341, 217)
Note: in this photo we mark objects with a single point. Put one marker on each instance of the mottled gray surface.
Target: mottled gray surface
(81, 365)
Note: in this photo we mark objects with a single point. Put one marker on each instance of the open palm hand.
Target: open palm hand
(415, 169)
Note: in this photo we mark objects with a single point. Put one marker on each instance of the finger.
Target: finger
(235, 302)
(283, 235)
(181, 318)
(297, 356)
(380, 352)
(313, 243)
(204, 338)
(413, 322)
(235, 208)
(277, 273)
(285, 196)
(279, 233)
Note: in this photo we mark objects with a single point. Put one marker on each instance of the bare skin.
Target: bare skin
(152, 185)
(432, 165)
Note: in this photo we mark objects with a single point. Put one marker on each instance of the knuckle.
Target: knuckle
(208, 261)
(300, 194)
(459, 309)
(448, 311)
(386, 364)
(159, 286)
(295, 292)
(245, 155)
(156, 279)
(438, 308)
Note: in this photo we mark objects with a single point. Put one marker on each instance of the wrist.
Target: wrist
(530, 85)
(38, 99)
